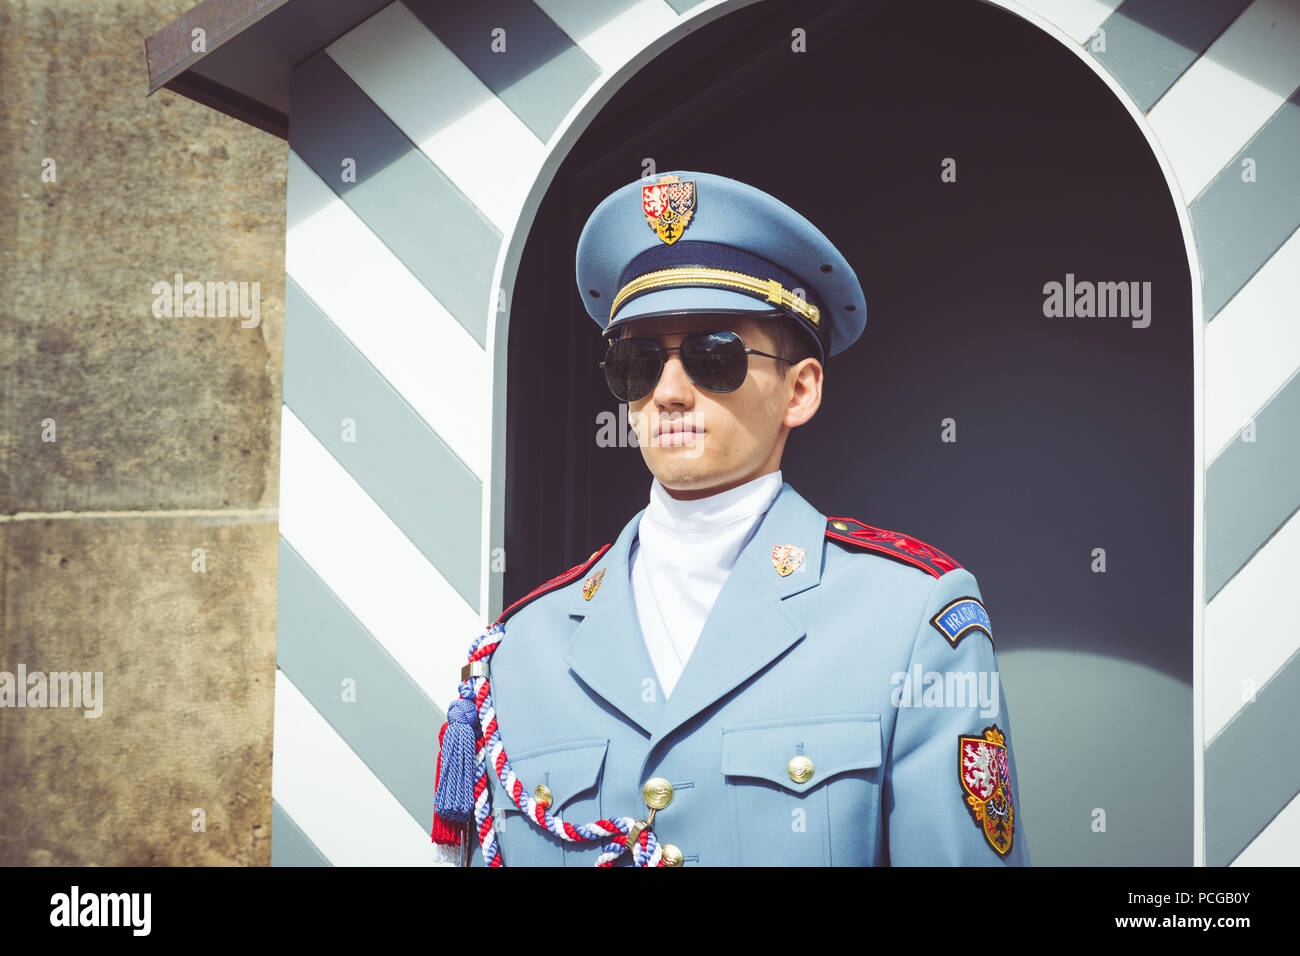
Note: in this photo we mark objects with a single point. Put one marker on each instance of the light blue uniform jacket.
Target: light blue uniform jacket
(810, 663)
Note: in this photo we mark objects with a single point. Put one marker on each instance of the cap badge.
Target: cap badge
(787, 558)
(669, 205)
(592, 584)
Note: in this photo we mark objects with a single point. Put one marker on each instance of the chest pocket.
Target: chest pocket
(572, 773)
(804, 792)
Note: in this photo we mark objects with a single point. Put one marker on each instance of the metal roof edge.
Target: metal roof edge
(170, 53)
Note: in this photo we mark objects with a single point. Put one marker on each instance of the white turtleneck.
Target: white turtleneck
(680, 558)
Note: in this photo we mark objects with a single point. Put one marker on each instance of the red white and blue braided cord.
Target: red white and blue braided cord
(489, 749)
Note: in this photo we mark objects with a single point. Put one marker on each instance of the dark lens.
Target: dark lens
(715, 361)
(632, 368)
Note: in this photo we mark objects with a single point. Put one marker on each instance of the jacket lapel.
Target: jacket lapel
(608, 652)
(748, 627)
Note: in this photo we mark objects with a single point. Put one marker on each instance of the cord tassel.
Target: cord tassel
(454, 799)
(444, 833)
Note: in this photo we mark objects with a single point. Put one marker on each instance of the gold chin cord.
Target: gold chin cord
(700, 276)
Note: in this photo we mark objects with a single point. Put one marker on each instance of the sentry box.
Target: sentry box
(438, 448)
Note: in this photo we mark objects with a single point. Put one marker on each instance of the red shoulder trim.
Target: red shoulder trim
(555, 582)
(892, 544)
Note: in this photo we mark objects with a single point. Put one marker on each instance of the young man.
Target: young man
(737, 679)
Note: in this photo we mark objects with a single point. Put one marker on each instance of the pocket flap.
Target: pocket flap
(835, 744)
(567, 769)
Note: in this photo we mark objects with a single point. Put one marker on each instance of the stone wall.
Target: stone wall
(165, 440)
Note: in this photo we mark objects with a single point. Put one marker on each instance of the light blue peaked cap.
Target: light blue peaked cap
(686, 242)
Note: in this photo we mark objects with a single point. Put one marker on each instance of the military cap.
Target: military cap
(686, 242)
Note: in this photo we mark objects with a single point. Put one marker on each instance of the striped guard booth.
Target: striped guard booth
(393, 419)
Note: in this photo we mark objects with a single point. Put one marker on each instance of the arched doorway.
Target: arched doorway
(1071, 488)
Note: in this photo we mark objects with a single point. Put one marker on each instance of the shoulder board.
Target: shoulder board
(891, 544)
(555, 582)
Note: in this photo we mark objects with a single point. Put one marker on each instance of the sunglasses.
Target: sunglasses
(715, 361)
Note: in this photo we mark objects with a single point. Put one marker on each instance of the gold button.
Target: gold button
(657, 792)
(672, 855)
(800, 769)
(839, 526)
(542, 793)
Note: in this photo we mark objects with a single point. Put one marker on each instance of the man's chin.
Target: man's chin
(687, 459)
(676, 474)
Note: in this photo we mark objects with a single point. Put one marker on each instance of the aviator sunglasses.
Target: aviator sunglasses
(715, 361)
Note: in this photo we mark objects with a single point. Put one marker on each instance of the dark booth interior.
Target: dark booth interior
(1073, 433)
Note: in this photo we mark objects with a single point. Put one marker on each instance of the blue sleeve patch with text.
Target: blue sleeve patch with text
(959, 618)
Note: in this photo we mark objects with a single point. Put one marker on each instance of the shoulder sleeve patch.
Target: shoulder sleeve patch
(985, 774)
(960, 617)
(555, 582)
(891, 544)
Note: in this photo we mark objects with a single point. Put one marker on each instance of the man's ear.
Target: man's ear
(807, 398)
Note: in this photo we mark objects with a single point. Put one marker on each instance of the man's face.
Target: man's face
(698, 442)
